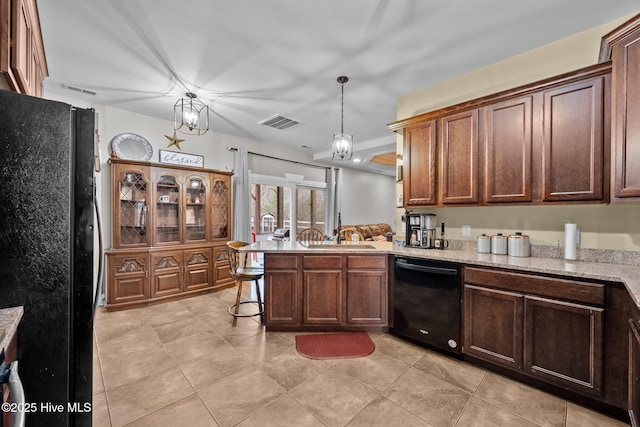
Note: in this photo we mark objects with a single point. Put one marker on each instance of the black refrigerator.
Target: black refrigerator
(46, 251)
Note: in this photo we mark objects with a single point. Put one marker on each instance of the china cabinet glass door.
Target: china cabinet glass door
(220, 209)
(195, 209)
(167, 215)
(132, 210)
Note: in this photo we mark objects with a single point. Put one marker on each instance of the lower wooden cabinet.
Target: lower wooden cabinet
(128, 281)
(197, 269)
(167, 273)
(326, 292)
(493, 325)
(367, 301)
(322, 286)
(282, 290)
(221, 275)
(564, 343)
(180, 271)
(634, 369)
(138, 277)
(546, 336)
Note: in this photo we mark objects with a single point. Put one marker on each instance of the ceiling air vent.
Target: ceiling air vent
(80, 90)
(278, 122)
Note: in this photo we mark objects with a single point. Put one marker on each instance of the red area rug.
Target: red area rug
(335, 346)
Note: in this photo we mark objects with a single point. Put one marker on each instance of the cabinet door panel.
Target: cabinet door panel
(282, 297)
(322, 297)
(573, 141)
(508, 145)
(167, 273)
(626, 116)
(129, 280)
(563, 343)
(23, 46)
(197, 269)
(634, 372)
(419, 159)
(220, 229)
(131, 191)
(367, 297)
(493, 325)
(222, 274)
(196, 216)
(459, 158)
(167, 207)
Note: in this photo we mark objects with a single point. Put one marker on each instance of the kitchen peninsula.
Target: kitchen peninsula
(628, 275)
(588, 309)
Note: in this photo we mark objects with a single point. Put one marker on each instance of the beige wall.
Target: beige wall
(602, 226)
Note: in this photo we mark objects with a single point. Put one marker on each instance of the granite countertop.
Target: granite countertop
(629, 275)
(9, 319)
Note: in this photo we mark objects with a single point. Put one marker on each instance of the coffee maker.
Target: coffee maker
(420, 230)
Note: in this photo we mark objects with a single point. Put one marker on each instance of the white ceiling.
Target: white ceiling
(251, 59)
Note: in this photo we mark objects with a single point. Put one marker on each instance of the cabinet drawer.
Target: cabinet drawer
(280, 261)
(321, 261)
(590, 293)
(364, 261)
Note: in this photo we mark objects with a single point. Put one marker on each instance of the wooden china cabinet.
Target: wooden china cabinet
(170, 226)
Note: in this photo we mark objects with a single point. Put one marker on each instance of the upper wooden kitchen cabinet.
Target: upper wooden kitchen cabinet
(458, 168)
(545, 142)
(419, 164)
(22, 58)
(622, 46)
(508, 145)
(576, 140)
(179, 217)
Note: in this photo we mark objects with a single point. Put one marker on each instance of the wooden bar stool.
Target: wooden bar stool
(240, 273)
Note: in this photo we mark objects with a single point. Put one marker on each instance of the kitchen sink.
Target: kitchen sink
(336, 246)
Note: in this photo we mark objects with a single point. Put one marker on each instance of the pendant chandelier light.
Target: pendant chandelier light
(191, 116)
(342, 147)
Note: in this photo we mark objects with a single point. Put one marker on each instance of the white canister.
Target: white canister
(519, 245)
(484, 244)
(499, 244)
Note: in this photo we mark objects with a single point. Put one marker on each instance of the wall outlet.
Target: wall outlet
(466, 231)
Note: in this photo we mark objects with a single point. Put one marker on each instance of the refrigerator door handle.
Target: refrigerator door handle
(16, 391)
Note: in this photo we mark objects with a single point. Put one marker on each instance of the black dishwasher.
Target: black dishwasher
(426, 303)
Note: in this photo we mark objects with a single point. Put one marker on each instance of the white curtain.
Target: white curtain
(333, 194)
(241, 197)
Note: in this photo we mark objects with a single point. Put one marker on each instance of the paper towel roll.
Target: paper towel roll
(570, 233)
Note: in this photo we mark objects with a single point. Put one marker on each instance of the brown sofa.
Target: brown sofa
(374, 231)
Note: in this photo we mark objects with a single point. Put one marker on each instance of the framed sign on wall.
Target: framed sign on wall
(182, 159)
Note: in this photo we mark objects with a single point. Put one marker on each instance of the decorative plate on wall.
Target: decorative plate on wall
(131, 146)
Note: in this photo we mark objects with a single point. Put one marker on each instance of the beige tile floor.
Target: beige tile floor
(182, 364)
